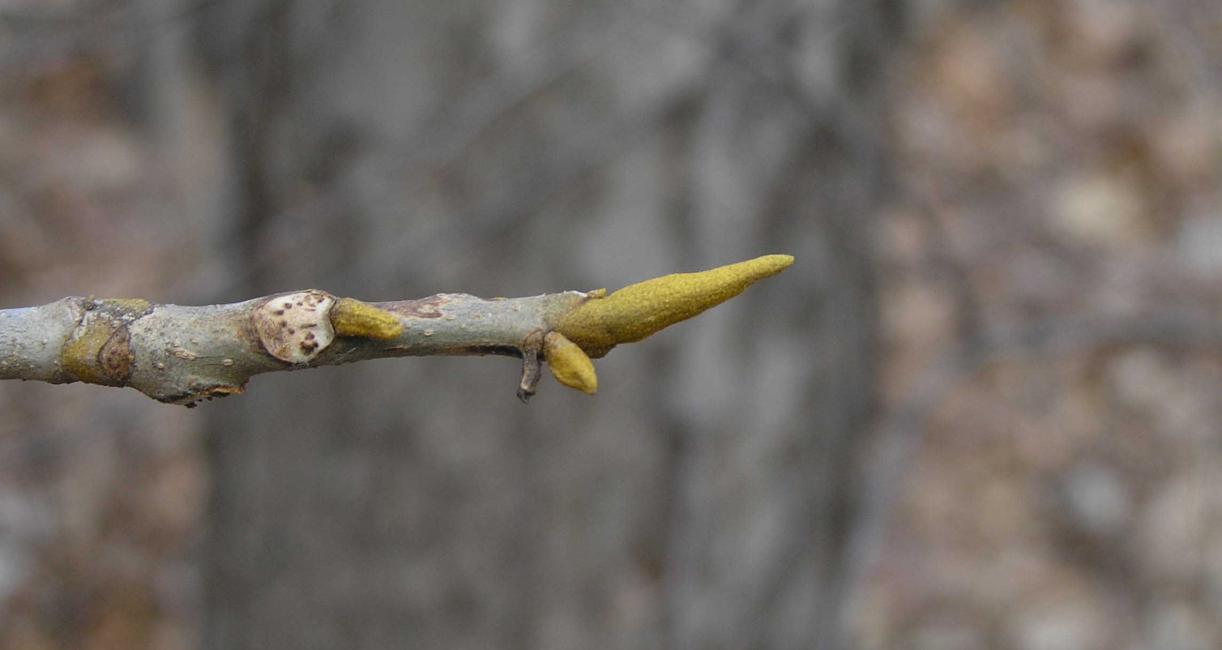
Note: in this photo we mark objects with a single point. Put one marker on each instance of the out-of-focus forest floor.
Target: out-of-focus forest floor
(1063, 235)
(1051, 433)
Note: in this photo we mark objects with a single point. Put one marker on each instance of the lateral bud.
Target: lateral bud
(351, 317)
(570, 365)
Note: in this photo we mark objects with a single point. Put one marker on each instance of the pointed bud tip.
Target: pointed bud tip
(768, 265)
(781, 260)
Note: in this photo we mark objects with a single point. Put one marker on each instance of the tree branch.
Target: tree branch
(182, 355)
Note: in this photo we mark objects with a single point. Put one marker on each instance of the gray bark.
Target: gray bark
(184, 355)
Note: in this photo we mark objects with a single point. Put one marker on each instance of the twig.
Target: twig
(182, 355)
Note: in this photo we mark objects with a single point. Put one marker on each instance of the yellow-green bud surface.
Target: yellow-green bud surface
(638, 310)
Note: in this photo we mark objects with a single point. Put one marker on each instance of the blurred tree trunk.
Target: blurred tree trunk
(389, 149)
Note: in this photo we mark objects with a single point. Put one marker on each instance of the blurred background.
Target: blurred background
(981, 410)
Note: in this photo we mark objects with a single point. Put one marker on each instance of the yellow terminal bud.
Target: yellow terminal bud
(638, 310)
(569, 363)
